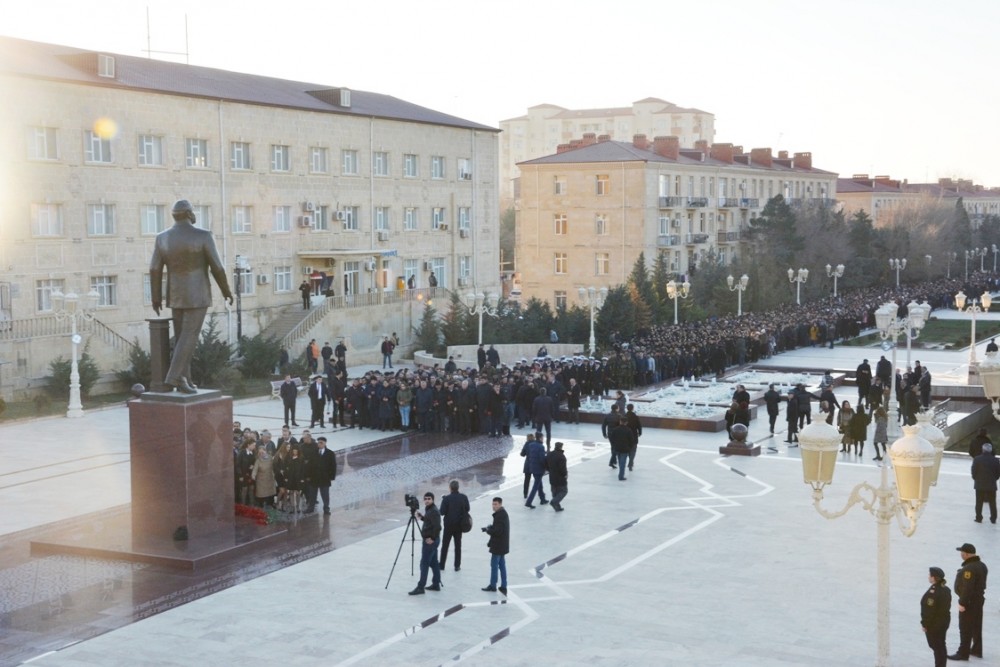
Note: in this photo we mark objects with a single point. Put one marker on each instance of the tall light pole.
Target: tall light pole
(70, 307)
(969, 254)
(739, 288)
(995, 251)
(675, 291)
(798, 279)
(914, 460)
(835, 273)
(477, 302)
(594, 298)
(951, 256)
(897, 265)
(241, 265)
(982, 258)
(890, 327)
(986, 301)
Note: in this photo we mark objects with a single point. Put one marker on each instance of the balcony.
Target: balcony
(749, 202)
(728, 202)
(694, 239)
(671, 202)
(668, 240)
(697, 202)
(730, 237)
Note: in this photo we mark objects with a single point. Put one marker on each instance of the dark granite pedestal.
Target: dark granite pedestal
(740, 450)
(182, 512)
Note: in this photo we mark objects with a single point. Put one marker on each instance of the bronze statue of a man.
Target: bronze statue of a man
(189, 254)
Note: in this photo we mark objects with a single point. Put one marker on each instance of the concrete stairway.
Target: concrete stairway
(286, 320)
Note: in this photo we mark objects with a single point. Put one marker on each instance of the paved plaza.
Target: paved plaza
(696, 559)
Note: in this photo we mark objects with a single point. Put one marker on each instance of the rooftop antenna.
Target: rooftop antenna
(186, 52)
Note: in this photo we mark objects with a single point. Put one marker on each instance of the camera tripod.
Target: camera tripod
(411, 526)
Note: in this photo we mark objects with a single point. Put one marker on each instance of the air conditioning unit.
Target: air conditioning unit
(464, 233)
(463, 282)
(330, 261)
(305, 221)
(676, 223)
(465, 176)
(369, 266)
(443, 226)
(428, 266)
(308, 206)
(263, 279)
(341, 215)
(383, 236)
(307, 270)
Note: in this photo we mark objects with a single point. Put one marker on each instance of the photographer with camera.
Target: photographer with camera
(430, 531)
(499, 545)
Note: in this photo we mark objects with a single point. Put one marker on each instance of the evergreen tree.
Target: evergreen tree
(429, 332)
(211, 356)
(962, 225)
(455, 323)
(537, 321)
(615, 316)
(640, 279)
(777, 245)
(663, 306)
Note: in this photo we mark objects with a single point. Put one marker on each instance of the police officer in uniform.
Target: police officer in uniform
(935, 615)
(970, 587)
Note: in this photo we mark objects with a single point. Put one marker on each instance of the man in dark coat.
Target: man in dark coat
(481, 356)
(430, 531)
(499, 546)
(883, 370)
(935, 615)
(493, 356)
(771, 399)
(985, 473)
(454, 509)
(634, 425)
(542, 414)
(289, 394)
(792, 416)
(980, 439)
(970, 587)
(863, 378)
(536, 466)
(306, 290)
(321, 471)
(558, 476)
(622, 440)
(318, 394)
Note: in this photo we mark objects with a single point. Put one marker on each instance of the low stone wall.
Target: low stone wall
(465, 355)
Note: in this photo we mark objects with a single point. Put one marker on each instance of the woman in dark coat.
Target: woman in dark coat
(295, 476)
(859, 429)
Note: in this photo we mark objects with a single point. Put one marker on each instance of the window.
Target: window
(42, 143)
(411, 267)
(96, 149)
(558, 185)
(602, 264)
(601, 225)
(242, 219)
(437, 166)
(560, 299)
(283, 279)
(46, 220)
(106, 288)
(350, 162)
(351, 217)
(280, 158)
(244, 281)
(100, 219)
(147, 290)
(380, 163)
(382, 218)
(43, 293)
(560, 224)
(464, 266)
(318, 160)
(664, 226)
(411, 169)
(196, 153)
(465, 169)
(410, 219)
(239, 155)
(560, 262)
(150, 150)
(603, 185)
(152, 218)
(105, 66)
(282, 218)
(437, 217)
(321, 219)
(464, 217)
(203, 217)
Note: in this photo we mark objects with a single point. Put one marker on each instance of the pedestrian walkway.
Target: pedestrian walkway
(696, 560)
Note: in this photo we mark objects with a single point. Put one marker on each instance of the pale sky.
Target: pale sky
(905, 88)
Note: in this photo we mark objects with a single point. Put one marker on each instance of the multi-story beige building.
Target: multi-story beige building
(882, 197)
(585, 213)
(546, 126)
(355, 191)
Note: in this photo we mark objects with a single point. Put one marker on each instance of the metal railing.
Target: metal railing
(671, 202)
(49, 325)
(668, 239)
(697, 202)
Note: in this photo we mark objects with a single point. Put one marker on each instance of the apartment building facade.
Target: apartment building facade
(545, 126)
(354, 191)
(586, 212)
(883, 198)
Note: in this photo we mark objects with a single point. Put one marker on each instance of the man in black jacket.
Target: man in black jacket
(289, 394)
(985, 473)
(321, 471)
(558, 476)
(430, 531)
(542, 414)
(622, 440)
(772, 398)
(318, 392)
(454, 509)
(970, 587)
(499, 546)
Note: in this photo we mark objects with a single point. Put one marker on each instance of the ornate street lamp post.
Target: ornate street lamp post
(594, 298)
(675, 291)
(986, 301)
(835, 273)
(739, 288)
(951, 257)
(913, 463)
(897, 265)
(889, 328)
(477, 302)
(982, 258)
(70, 307)
(798, 279)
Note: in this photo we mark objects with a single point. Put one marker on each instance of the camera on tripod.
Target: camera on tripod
(411, 502)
